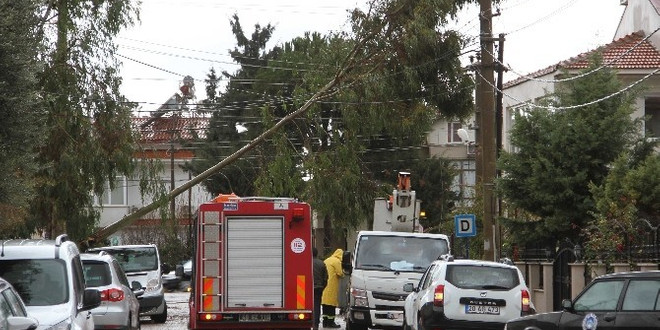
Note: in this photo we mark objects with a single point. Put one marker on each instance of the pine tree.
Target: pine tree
(560, 150)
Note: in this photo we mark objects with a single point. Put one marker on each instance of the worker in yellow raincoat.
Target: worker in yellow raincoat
(330, 299)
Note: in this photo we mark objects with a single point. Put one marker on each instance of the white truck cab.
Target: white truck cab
(383, 262)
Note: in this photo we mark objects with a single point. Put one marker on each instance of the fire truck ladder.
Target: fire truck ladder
(211, 261)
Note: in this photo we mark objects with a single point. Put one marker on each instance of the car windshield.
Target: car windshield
(376, 252)
(96, 274)
(135, 259)
(38, 282)
(482, 277)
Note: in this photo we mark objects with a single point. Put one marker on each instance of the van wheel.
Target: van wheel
(405, 325)
(161, 318)
(354, 326)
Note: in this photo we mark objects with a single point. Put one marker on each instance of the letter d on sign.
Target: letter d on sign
(465, 225)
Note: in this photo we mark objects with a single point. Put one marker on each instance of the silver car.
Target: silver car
(13, 315)
(119, 307)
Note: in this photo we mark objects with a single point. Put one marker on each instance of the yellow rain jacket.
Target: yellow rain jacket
(335, 272)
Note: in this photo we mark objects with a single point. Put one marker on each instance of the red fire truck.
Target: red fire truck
(252, 265)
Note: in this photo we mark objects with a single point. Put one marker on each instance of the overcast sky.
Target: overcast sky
(188, 37)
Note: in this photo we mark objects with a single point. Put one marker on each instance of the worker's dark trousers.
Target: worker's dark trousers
(318, 292)
(329, 313)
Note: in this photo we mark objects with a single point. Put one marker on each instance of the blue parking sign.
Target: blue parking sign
(465, 225)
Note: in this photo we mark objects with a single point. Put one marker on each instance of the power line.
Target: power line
(623, 90)
(583, 74)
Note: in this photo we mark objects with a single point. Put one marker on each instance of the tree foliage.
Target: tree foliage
(397, 71)
(21, 112)
(89, 139)
(561, 150)
(627, 206)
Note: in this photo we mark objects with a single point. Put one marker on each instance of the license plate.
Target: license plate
(254, 317)
(477, 309)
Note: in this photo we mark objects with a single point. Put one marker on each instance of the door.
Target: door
(641, 305)
(255, 262)
(595, 308)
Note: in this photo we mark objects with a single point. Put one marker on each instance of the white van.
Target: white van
(142, 263)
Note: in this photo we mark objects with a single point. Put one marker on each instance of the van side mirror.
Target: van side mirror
(165, 268)
(178, 271)
(136, 287)
(347, 262)
(408, 287)
(567, 305)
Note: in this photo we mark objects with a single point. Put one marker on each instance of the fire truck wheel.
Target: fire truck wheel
(161, 318)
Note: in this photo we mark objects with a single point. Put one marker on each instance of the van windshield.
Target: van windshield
(137, 259)
(396, 253)
(40, 282)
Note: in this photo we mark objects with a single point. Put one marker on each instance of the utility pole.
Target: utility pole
(499, 118)
(486, 131)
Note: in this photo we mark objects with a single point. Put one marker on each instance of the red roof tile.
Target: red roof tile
(174, 127)
(618, 54)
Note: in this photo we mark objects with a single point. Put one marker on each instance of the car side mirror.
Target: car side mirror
(136, 287)
(567, 305)
(22, 322)
(91, 299)
(408, 287)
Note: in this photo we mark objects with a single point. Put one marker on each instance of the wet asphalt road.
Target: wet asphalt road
(177, 313)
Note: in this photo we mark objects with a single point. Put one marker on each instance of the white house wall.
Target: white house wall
(640, 15)
(194, 197)
(516, 96)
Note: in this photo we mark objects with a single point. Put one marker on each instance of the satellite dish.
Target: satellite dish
(463, 134)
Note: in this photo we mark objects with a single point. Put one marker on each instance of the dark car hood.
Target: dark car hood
(551, 318)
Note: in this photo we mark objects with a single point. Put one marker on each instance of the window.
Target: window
(14, 302)
(652, 114)
(601, 296)
(465, 180)
(427, 278)
(452, 132)
(480, 277)
(96, 274)
(40, 282)
(116, 196)
(642, 296)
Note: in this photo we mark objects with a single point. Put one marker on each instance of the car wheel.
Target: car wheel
(160, 318)
(354, 326)
(420, 323)
(133, 322)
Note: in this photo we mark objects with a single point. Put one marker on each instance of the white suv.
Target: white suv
(466, 294)
(48, 276)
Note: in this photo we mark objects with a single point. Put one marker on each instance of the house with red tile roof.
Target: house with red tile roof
(634, 53)
(164, 137)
